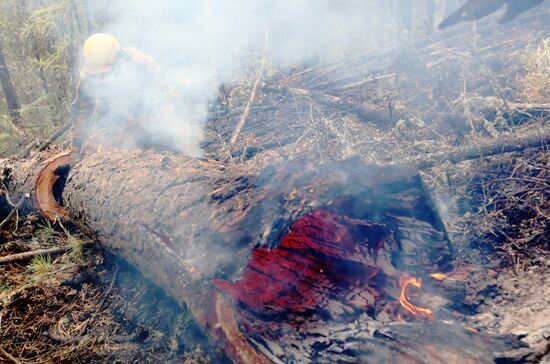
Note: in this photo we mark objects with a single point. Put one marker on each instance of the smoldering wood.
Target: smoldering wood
(190, 222)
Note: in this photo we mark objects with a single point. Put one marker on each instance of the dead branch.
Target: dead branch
(535, 139)
(364, 82)
(27, 151)
(529, 106)
(55, 136)
(259, 77)
(9, 356)
(246, 111)
(335, 102)
(16, 208)
(108, 291)
(33, 253)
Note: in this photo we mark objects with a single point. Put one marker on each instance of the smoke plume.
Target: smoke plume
(201, 44)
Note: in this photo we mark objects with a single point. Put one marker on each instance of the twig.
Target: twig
(9, 356)
(365, 81)
(108, 291)
(523, 179)
(333, 101)
(497, 88)
(5, 191)
(112, 338)
(16, 208)
(252, 97)
(27, 255)
(529, 106)
(246, 112)
(100, 306)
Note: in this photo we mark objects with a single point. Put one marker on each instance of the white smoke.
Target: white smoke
(201, 44)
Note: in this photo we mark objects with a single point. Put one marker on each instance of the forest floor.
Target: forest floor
(458, 89)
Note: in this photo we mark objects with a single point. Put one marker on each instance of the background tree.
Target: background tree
(41, 41)
(12, 101)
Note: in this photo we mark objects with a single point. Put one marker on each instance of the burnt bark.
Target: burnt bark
(200, 229)
(12, 100)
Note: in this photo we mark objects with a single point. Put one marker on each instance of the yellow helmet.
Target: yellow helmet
(100, 53)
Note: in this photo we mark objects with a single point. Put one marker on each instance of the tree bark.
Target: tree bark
(253, 253)
(12, 101)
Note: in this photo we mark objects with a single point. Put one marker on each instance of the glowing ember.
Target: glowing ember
(407, 305)
(438, 276)
(318, 263)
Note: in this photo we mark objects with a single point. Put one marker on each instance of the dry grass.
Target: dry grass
(535, 84)
(50, 309)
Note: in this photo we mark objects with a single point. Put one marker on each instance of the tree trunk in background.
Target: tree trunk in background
(12, 101)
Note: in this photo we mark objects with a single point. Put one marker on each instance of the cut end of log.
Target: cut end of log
(45, 187)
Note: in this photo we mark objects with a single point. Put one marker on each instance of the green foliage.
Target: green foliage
(45, 19)
(76, 245)
(40, 265)
(45, 234)
(10, 135)
(41, 40)
(4, 287)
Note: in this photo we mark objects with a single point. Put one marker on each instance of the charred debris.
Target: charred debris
(303, 169)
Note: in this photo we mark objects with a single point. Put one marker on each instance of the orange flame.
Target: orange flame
(407, 305)
(438, 276)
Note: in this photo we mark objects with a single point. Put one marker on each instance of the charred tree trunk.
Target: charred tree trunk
(12, 101)
(299, 263)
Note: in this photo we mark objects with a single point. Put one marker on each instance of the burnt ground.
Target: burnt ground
(93, 308)
(461, 87)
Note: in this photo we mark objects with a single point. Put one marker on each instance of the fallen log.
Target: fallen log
(538, 138)
(296, 263)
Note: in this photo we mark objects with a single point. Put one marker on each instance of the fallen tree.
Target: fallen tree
(302, 262)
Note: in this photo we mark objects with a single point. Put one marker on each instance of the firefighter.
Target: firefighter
(114, 93)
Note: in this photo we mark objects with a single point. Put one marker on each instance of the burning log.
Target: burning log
(301, 262)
